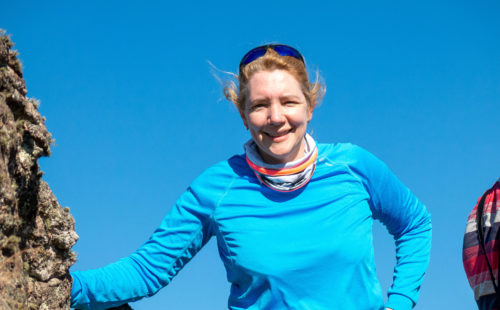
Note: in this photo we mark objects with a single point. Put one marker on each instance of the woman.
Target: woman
(293, 219)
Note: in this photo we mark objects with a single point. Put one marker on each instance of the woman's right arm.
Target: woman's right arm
(182, 233)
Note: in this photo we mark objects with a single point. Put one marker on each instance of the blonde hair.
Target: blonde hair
(313, 92)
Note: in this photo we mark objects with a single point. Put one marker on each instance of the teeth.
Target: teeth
(278, 134)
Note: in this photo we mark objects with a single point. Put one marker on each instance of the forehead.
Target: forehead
(273, 83)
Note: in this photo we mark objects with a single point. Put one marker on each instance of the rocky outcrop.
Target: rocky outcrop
(36, 233)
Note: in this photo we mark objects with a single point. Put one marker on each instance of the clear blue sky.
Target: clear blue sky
(136, 114)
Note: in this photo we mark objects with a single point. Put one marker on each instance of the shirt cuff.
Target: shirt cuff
(76, 289)
(399, 302)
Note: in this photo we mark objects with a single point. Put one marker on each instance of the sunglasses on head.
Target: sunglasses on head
(281, 49)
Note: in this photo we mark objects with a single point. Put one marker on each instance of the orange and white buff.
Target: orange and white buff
(283, 177)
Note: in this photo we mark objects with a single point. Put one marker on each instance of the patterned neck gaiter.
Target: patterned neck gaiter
(283, 177)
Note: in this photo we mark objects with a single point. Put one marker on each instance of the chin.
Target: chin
(281, 157)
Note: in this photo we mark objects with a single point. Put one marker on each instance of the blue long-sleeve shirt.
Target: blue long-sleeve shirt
(307, 249)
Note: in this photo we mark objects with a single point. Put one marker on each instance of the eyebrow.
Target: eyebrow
(282, 98)
(290, 97)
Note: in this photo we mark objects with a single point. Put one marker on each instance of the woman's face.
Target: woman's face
(276, 113)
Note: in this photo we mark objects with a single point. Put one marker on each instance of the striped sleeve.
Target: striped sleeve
(474, 261)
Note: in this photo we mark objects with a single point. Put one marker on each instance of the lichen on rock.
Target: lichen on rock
(36, 233)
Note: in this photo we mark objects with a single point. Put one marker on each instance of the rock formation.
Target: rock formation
(36, 233)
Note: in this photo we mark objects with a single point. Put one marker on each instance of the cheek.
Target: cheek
(301, 118)
(255, 120)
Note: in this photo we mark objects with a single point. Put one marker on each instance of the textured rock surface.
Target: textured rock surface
(36, 233)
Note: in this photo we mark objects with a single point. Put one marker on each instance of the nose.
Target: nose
(276, 114)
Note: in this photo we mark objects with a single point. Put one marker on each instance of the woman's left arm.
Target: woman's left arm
(407, 220)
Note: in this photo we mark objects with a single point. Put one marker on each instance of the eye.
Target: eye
(290, 101)
(257, 106)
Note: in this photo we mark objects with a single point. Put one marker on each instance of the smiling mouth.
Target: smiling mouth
(279, 136)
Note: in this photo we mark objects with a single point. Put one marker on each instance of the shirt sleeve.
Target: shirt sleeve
(407, 220)
(182, 233)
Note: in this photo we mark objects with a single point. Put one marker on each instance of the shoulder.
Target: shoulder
(355, 159)
(218, 176)
(343, 153)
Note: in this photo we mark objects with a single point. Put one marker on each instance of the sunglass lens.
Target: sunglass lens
(285, 50)
(253, 54)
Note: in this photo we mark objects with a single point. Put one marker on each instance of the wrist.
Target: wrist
(399, 302)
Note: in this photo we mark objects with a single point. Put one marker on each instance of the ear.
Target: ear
(244, 119)
(310, 110)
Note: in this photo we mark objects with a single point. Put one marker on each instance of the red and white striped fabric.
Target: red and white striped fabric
(473, 257)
